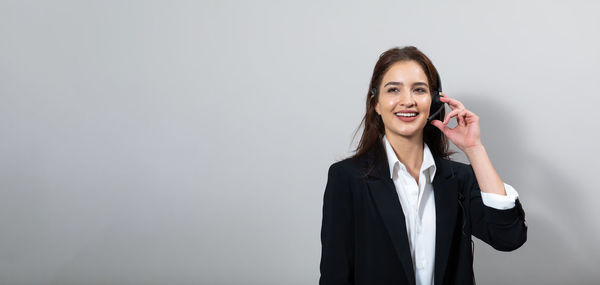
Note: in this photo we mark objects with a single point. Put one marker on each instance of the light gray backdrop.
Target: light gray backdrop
(188, 142)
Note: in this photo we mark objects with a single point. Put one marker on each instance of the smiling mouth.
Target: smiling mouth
(406, 115)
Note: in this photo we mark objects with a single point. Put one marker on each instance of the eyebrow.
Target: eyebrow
(400, 83)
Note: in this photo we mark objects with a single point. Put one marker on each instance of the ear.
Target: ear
(376, 105)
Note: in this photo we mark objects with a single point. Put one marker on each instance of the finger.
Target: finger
(463, 117)
(441, 126)
(452, 113)
(473, 117)
(458, 121)
(453, 103)
(469, 117)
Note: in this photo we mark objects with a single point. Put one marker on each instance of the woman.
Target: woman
(399, 211)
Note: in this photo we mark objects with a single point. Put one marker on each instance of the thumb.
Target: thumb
(438, 124)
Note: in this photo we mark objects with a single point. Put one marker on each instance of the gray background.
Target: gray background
(188, 142)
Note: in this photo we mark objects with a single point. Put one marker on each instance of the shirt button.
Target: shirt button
(421, 265)
(419, 229)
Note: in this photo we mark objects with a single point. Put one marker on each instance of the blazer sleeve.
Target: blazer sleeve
(504, 230)
(337, 239)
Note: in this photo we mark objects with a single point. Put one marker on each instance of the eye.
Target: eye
(420, 90)
(392, 90)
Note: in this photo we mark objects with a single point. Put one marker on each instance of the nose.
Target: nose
(407, 99)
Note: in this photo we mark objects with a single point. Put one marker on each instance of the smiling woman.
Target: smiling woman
(404, 104)
(399, 211)
(388, 85)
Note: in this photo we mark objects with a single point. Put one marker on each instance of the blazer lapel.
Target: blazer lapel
(445, 189)
(386, 199)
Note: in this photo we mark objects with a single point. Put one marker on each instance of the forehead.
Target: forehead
(405, 71)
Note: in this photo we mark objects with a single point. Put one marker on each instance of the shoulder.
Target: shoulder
(341, 180)
(348, 167)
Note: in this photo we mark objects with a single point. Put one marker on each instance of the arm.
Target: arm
(337, 255)
(504, 230)
(494, 192)
(488, 179)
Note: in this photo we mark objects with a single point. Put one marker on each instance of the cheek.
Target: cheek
(386, 103)
(425, 103)
(390, 104)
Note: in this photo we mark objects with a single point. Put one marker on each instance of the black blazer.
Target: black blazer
(363, 234)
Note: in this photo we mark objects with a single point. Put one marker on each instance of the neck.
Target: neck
(409, 150)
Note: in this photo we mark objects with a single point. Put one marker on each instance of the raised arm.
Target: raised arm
(502, 226)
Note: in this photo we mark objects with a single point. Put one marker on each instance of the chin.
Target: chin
(407, 133)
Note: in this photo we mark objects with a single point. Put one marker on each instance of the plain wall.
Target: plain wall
(188, 142)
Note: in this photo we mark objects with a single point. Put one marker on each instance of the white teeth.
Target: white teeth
(406, 114)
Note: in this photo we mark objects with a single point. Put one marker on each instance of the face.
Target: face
(404, 100)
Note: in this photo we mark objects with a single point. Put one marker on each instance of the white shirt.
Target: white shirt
(418, 205)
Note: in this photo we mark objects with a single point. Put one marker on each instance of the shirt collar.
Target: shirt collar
(427, 167)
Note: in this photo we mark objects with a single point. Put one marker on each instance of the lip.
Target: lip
(407, 119)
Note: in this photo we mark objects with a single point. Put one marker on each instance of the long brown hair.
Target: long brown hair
(374, 130)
